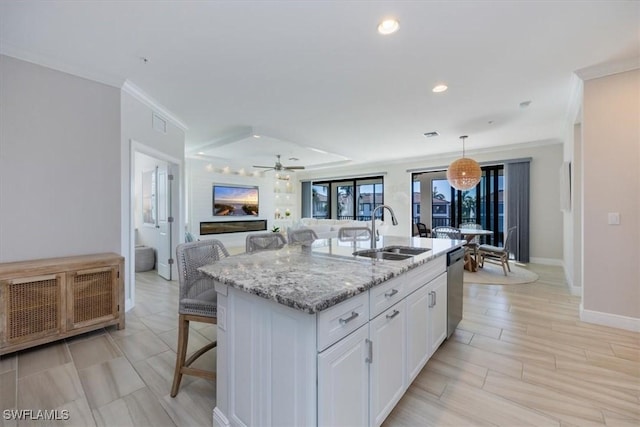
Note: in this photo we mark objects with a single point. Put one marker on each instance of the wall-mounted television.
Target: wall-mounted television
(235, 200)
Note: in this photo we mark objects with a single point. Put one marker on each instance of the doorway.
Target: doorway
(154, 213)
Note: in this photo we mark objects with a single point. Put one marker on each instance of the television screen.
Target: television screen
(234, 200)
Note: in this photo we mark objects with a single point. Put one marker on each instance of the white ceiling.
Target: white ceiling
(316, 74)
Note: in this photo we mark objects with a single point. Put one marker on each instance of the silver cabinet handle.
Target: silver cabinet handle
(390, 294)
(349, 319)
(369, 358)
(392, 315)
(432, 299)
(435, 298)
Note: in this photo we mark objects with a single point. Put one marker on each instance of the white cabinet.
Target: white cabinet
(418, 344)
(437, 312)
(343, 381)
(342, 319)
(347, 365)
(388, 364)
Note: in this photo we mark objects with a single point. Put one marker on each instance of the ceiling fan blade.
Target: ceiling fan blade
(264, 167)
(292, 168)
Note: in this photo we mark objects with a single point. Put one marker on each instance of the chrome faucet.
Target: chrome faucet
(394, 221)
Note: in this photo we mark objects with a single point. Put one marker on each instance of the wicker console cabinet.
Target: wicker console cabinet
(49, 299)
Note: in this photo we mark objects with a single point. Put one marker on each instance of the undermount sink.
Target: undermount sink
(407, 250)
(378, 254)
(393, 253)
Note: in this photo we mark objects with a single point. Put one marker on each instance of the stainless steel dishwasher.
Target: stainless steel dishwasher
(455, 278)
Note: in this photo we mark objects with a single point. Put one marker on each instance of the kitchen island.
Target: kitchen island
(317, 336)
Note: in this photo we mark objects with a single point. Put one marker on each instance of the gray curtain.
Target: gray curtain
(518, 207)
(305, 208)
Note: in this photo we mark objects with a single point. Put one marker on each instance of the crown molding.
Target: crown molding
(147, 100)
(55, 64)
(608, 68)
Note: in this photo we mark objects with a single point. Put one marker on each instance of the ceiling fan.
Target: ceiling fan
(279, 166)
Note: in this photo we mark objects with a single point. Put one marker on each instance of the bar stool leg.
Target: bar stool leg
(181, 355)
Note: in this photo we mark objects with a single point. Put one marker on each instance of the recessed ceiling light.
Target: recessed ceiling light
(388, 26)
(201, 153)
(294, 159)
(525, 104)
(431, 134)
(440, 88)
(256, 136)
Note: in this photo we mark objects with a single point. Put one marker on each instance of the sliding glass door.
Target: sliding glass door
(435, 203)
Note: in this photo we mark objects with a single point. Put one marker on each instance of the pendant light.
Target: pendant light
(464, 173)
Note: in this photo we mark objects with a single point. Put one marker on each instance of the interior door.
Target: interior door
(165, 220)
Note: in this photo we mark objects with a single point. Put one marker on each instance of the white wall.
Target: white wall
(201, 175)
(546, 218)
(611, 183)
(59, 164)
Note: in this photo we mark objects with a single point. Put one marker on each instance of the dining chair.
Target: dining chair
(444, 232)
(496, 254)
(301, 236)
(423, 231)
(198, 302)
(354, 233)
(473, 243)
(265, 241)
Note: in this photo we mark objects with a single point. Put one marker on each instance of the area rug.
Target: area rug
(492, 274)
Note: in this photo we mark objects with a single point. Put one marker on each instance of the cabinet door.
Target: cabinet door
(418, 345)
(92, 296)
(388, 367)
(438, 311)
(343, 381)
(31, 308)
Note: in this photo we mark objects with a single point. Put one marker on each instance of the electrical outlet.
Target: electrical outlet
(614, 218)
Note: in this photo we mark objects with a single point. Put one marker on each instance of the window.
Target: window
(347, 199)
(320, 201)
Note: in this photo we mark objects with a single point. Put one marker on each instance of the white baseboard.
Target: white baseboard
(547, 261)
(575, 290)
(608, 319)
(219, 420)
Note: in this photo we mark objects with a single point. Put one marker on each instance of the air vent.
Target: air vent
(158, 123)
(431, 134)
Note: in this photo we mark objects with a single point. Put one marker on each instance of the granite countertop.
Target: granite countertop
(312, 279)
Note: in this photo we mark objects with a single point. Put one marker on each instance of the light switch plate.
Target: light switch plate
(614, 218)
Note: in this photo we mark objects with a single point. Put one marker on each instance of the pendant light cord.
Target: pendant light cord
(463, 138)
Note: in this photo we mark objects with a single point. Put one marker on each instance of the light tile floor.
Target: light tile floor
(115, 378)
(520, 356)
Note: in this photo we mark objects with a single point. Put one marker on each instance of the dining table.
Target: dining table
(468, 234)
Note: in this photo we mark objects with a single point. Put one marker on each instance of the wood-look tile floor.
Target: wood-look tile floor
(520, 356)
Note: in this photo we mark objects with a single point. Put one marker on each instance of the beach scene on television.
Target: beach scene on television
(235, 201)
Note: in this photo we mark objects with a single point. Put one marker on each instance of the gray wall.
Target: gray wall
(137, 131)
(59, 164)
(611, 183)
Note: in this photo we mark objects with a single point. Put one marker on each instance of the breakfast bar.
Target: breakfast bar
(315, 335)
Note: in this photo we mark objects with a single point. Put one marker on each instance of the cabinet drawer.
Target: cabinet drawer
(385, 295)
(425, 273)
(342, 319)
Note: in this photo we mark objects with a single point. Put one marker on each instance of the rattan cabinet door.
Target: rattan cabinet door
(33, 308)
(92, 296)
